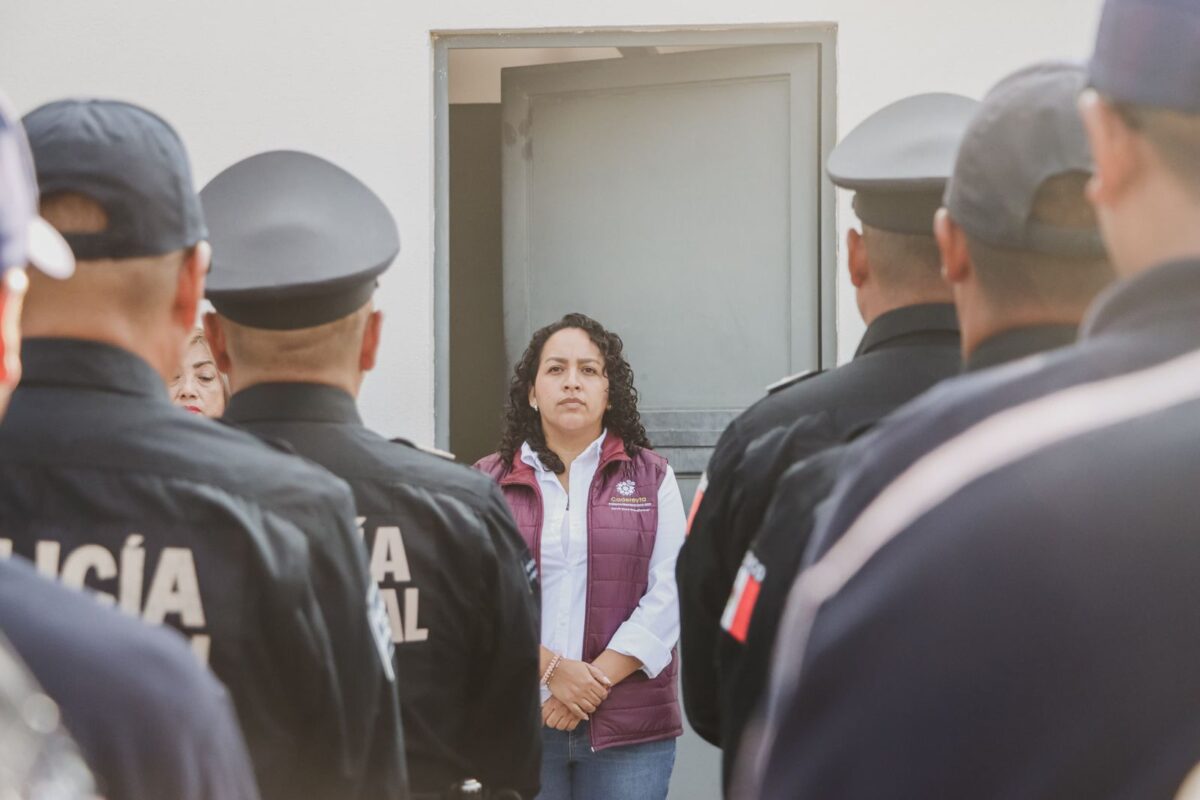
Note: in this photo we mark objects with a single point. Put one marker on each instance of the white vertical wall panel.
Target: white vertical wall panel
(353, 81)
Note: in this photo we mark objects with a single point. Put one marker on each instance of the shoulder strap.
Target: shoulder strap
(791, 380)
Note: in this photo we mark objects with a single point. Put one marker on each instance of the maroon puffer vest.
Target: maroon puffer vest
(622, 526)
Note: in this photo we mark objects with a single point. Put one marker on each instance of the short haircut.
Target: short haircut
(1013, 278)
(70, 212)
(904, 262)
(306, 351)
(1174, 135)
(139, 289)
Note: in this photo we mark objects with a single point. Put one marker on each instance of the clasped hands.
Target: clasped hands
(577, 689)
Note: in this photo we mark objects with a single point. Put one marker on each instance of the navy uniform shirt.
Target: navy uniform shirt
(151, 722)
(250, 553)
(456, 579)
(38, 758)
(1115, 320)
(902, 353)
(1031, 633)
(781, 510)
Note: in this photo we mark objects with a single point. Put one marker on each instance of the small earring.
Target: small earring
(533, 405)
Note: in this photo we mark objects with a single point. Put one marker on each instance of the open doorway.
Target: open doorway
(668, 177)
(479, 370)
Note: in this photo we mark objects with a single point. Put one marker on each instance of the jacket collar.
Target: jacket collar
(1170, 291)
(293, 402)
(892, 325)
(521, 473)
(84, 364)
(1017, 343)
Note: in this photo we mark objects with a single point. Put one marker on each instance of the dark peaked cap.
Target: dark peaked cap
(297, 241)
(1148, 53)
(898, 160)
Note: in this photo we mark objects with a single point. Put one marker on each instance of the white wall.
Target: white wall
(353, 82)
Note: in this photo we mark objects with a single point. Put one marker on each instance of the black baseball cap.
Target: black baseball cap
(1027, 131)
(297, 241)
(25, 238)
(129, 161)
(1148, 53)
(898, 159)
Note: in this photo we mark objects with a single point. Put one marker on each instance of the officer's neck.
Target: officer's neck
(875, 303)
(242, 378)
(1157, 223)
(980, 319)
(161, 349)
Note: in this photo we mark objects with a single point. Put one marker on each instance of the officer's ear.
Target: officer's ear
(856, 258)
(1114, 146)
(952, 245)
(372, 333)
(190, 289)
(214, 334)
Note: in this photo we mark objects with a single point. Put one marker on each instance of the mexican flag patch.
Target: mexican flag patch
(740, 607)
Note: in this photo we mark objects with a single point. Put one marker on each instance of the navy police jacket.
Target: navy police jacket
(1015, 615)
(455, 577)
(781, 510)
(151, 722)
(250, 553)
(902, 353)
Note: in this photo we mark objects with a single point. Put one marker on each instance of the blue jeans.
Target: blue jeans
(571, 771)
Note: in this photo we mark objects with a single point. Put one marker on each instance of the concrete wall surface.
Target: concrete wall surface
(353, 81)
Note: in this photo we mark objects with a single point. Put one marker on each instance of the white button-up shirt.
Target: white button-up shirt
(653, 628)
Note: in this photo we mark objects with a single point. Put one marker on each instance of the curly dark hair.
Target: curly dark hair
(523, 424)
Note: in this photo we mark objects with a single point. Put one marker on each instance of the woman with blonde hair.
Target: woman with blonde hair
(199, 387)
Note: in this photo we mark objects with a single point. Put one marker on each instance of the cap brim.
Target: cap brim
(49, 251)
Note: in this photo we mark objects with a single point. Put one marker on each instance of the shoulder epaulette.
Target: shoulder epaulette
(783, 383)
(433, 451)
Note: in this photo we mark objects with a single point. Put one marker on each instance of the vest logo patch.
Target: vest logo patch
(626, 498)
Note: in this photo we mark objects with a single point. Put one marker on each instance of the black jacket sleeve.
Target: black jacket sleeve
(504, 741)
(778, 547)
(704, 574)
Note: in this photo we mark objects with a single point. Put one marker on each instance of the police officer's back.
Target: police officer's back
(1035, 569)
(150, 720)
(897, 162)
(1010, 306)
(250, 553)
(38, 759)
(299, 245)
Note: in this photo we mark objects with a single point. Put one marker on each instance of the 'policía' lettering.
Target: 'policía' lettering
(174, 586)
(389, 566)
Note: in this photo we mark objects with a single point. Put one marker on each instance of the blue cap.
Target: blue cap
(297, 241)
(25, 238)
(1027, 131)
(130, 162)
(1148, 53)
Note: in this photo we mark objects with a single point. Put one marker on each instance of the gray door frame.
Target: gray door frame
(824, 35)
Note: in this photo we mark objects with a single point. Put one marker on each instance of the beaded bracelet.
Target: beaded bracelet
(549, 673)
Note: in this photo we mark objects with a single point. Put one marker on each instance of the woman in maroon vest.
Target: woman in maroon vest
(602, 515)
